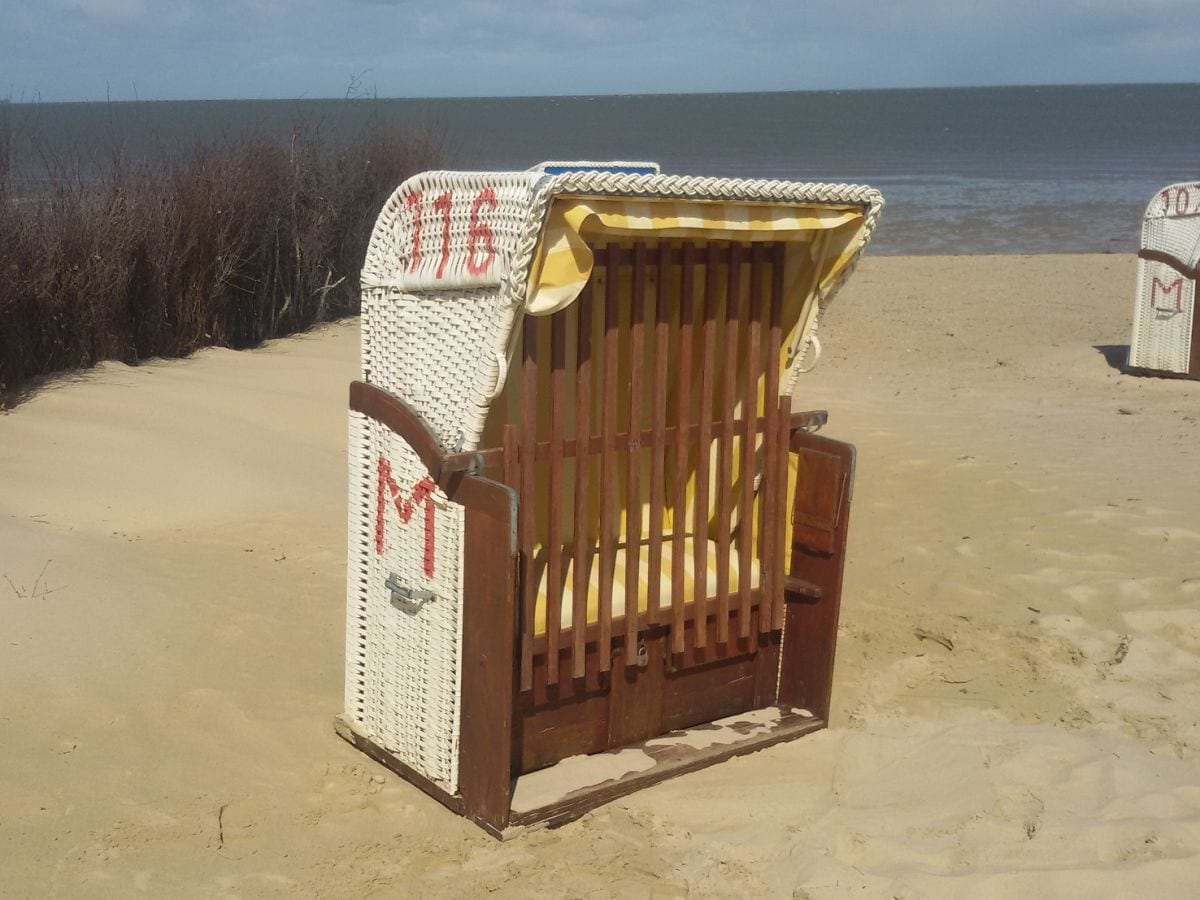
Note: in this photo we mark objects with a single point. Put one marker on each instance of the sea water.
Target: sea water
(963, 170)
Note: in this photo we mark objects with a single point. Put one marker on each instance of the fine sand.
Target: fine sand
(1016, 696)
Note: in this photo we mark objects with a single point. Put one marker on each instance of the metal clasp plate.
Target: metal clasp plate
(404, 595)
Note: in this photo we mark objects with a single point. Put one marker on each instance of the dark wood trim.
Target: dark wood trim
(489, 663)
(473, 462)
(1187, 271)
(387, 408)
(810, 630)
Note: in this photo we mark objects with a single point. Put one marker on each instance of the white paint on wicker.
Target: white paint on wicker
(1164, 300)
(403, 667)
(438, 352)
(360, 516)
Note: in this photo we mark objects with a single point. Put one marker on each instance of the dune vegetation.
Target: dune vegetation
(225, 244)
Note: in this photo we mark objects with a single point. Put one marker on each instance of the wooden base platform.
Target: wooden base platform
(565, 791)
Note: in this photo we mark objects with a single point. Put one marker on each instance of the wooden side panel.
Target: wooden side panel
(818, 554)
(488, 654)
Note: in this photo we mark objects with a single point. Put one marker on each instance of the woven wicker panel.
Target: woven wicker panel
(361, 513)
(441, 353)
(403, 657)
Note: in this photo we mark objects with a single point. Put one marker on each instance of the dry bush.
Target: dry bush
(229, 244)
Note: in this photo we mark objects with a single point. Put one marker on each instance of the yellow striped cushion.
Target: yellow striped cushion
(620, 576)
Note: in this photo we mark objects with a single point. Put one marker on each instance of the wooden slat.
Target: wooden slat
(583, 430)
(774, 475)
(783, 531)
(658, 440)
(608, 413)
(708, 362)
(592, 636)
(633, 498)
(725, 454)
(554, 541)
(683, 410)
(511, 437)
(753, 370)
(783, 408)
(672, 256)
(622, 440)
(525, 508)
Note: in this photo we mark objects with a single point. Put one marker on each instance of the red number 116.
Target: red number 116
(476, 231)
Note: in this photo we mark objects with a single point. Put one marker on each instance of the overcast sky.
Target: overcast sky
(56, 50)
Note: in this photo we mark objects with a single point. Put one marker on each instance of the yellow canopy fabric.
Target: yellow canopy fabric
(563, 262)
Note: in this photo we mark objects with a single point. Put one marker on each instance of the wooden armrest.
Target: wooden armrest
(446, 469)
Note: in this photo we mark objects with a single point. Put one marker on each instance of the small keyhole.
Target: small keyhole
(643, 655)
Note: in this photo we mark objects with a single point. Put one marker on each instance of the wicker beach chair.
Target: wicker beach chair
(1166, 332)
(591, 545)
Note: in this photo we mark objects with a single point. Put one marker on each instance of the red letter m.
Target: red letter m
(1175, 287)
(420, 493)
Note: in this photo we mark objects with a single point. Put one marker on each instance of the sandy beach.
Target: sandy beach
(1017, 692)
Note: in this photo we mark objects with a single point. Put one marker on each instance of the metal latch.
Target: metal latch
(403, 594)
(643, 655)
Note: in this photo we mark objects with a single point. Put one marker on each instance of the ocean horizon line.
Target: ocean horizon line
(367, 97)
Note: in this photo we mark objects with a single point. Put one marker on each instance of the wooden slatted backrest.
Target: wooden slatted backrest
(631, 445)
